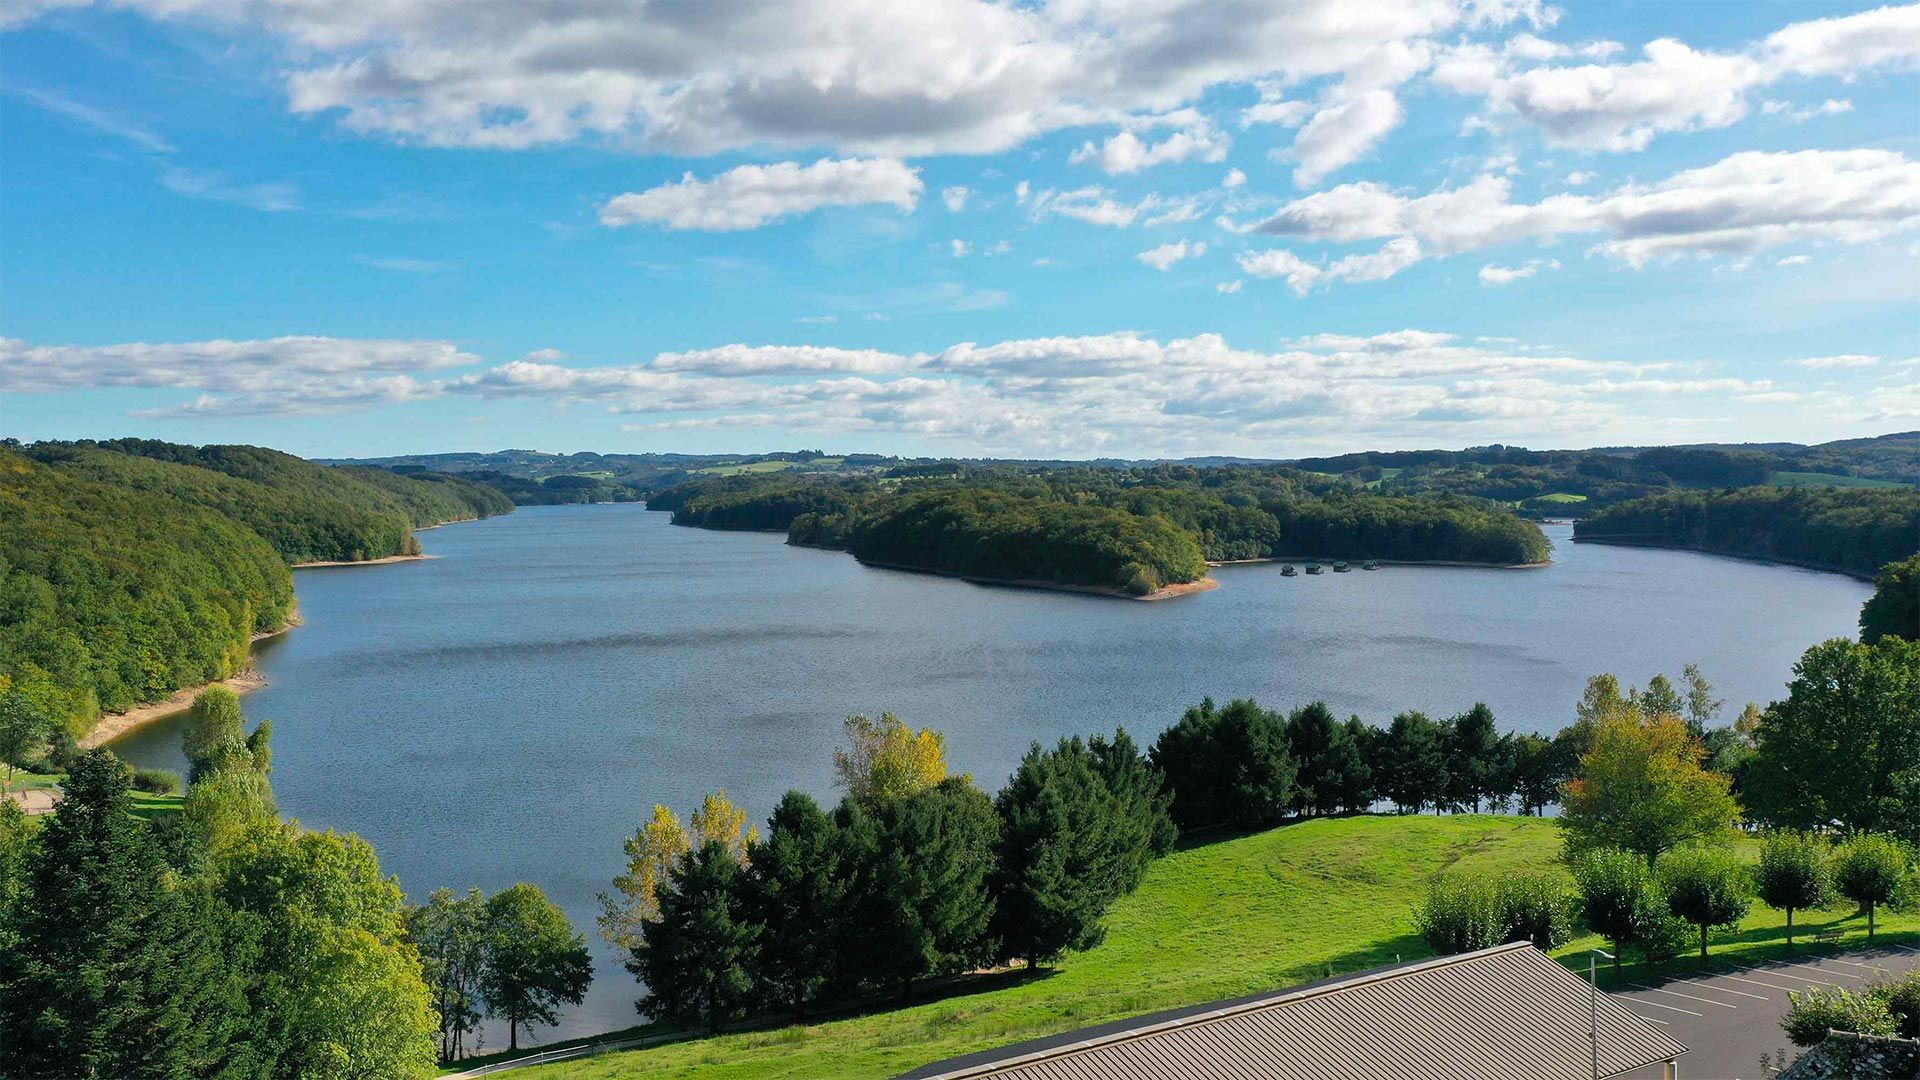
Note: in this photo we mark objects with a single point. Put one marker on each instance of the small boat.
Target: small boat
(1341, 568)
(1371, 564)
(1313, 568)
(1288, 570)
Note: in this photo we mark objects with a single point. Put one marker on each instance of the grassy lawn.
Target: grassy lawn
(1216, 920)
(29, 781)
(1820, 479)
(147, 806)
(1561, 497)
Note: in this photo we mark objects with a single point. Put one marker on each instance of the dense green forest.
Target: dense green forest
(131, 569)
(1854, 530)
(1132, 529)
(111, 595)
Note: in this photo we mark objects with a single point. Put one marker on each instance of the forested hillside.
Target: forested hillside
(1132, 530)
(111, 596)
(132, 569)
(1854, 530)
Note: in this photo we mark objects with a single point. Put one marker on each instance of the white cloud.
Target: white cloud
(1493, 274)
(1228, 288)
(1577, 178)
(926, 78)
(959, 248)
(1341, 133)
(818, 320)
(1672, 87)
(1801, 114)
(1302, 276)
(750, 196)
(1285, 113)
(1234, 178)
(1122, 390)
(1795, 260)
(1098, 206)
(1128, 153)
(955, 198)
(1163, 257)
(277, 375)
(1745, 203)
(1845, 360)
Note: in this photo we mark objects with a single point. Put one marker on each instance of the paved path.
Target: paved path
(1730, 1014)
(37, 801)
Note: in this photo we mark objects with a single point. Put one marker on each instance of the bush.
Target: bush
(1903, 1001)
(1871, 871)
(1660, 934)
(1462, 913)
(1708, 887)
(1537, 907)
(1611, 883)
(1822, 1009)
(155, 781)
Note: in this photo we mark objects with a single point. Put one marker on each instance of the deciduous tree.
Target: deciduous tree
(886, 759)
(1870, 871)
(533, 962)
(1793, 873)
(1706, 886)
(1641, 787)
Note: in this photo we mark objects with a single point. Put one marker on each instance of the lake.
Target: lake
(512, 709)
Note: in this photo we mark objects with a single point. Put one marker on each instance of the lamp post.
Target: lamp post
(1593, 1006)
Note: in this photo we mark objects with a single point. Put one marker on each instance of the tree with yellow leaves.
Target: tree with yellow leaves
(655, 849)
(885, 759)
(1640, 786)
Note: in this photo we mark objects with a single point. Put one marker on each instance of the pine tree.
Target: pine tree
(1475, 757)
(696, 959)
(1068, 849)
(113, 972)
(797, 887)
(1413, 762)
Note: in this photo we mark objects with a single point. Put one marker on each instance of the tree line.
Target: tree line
(1854, 530)
(132, 569)
(914, 875)
(220, 941)
(1131, 529)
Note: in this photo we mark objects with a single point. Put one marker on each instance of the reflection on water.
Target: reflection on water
(513, 709)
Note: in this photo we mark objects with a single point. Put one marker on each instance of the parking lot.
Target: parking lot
(1729, 1015)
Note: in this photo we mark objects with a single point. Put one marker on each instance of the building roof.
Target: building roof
(1505, 1011)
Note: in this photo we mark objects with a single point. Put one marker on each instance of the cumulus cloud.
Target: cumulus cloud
(750, 196)
(932, 77)
(1123, 391)
(1301, 276)
(1745, 203)
(1494, 274)
(1164, 256)
(1234, 178)
(1339, 134)
(1128, 153)
(284, 374)
(955, 198)
(1672, 86)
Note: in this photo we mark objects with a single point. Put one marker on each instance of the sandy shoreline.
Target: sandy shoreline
(113, 726)
(362, 562)
(1358, 563)
(1165, 592)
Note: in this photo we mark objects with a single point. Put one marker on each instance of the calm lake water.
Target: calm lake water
(511, 710)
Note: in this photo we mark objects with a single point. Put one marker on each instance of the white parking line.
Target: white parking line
(1689, 997)
(1723, 990)
(1669, 1008)
(1823, 971)
(1776, 975)
(1754, 982)
(1868, 967)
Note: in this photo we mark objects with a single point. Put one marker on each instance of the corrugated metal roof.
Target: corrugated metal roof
(1509, 1011)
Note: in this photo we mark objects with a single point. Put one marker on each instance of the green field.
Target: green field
(1560, 497)
(737, 468)
(1820, 479)
(1216, 920)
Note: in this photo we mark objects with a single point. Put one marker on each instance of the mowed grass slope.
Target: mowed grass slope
(1233, 917)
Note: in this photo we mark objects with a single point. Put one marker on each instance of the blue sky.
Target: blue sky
(1096, 227)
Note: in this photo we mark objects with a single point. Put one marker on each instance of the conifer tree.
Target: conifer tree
(697, 957)
(797, 886)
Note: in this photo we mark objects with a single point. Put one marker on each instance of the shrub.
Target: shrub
(1537, 907)
(1903, 1001)
(1462, 913)
(1870, 871)
(1611, 883)
(1660, 934)
(1793, 873)
(1815, 1012)
(155, 781)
